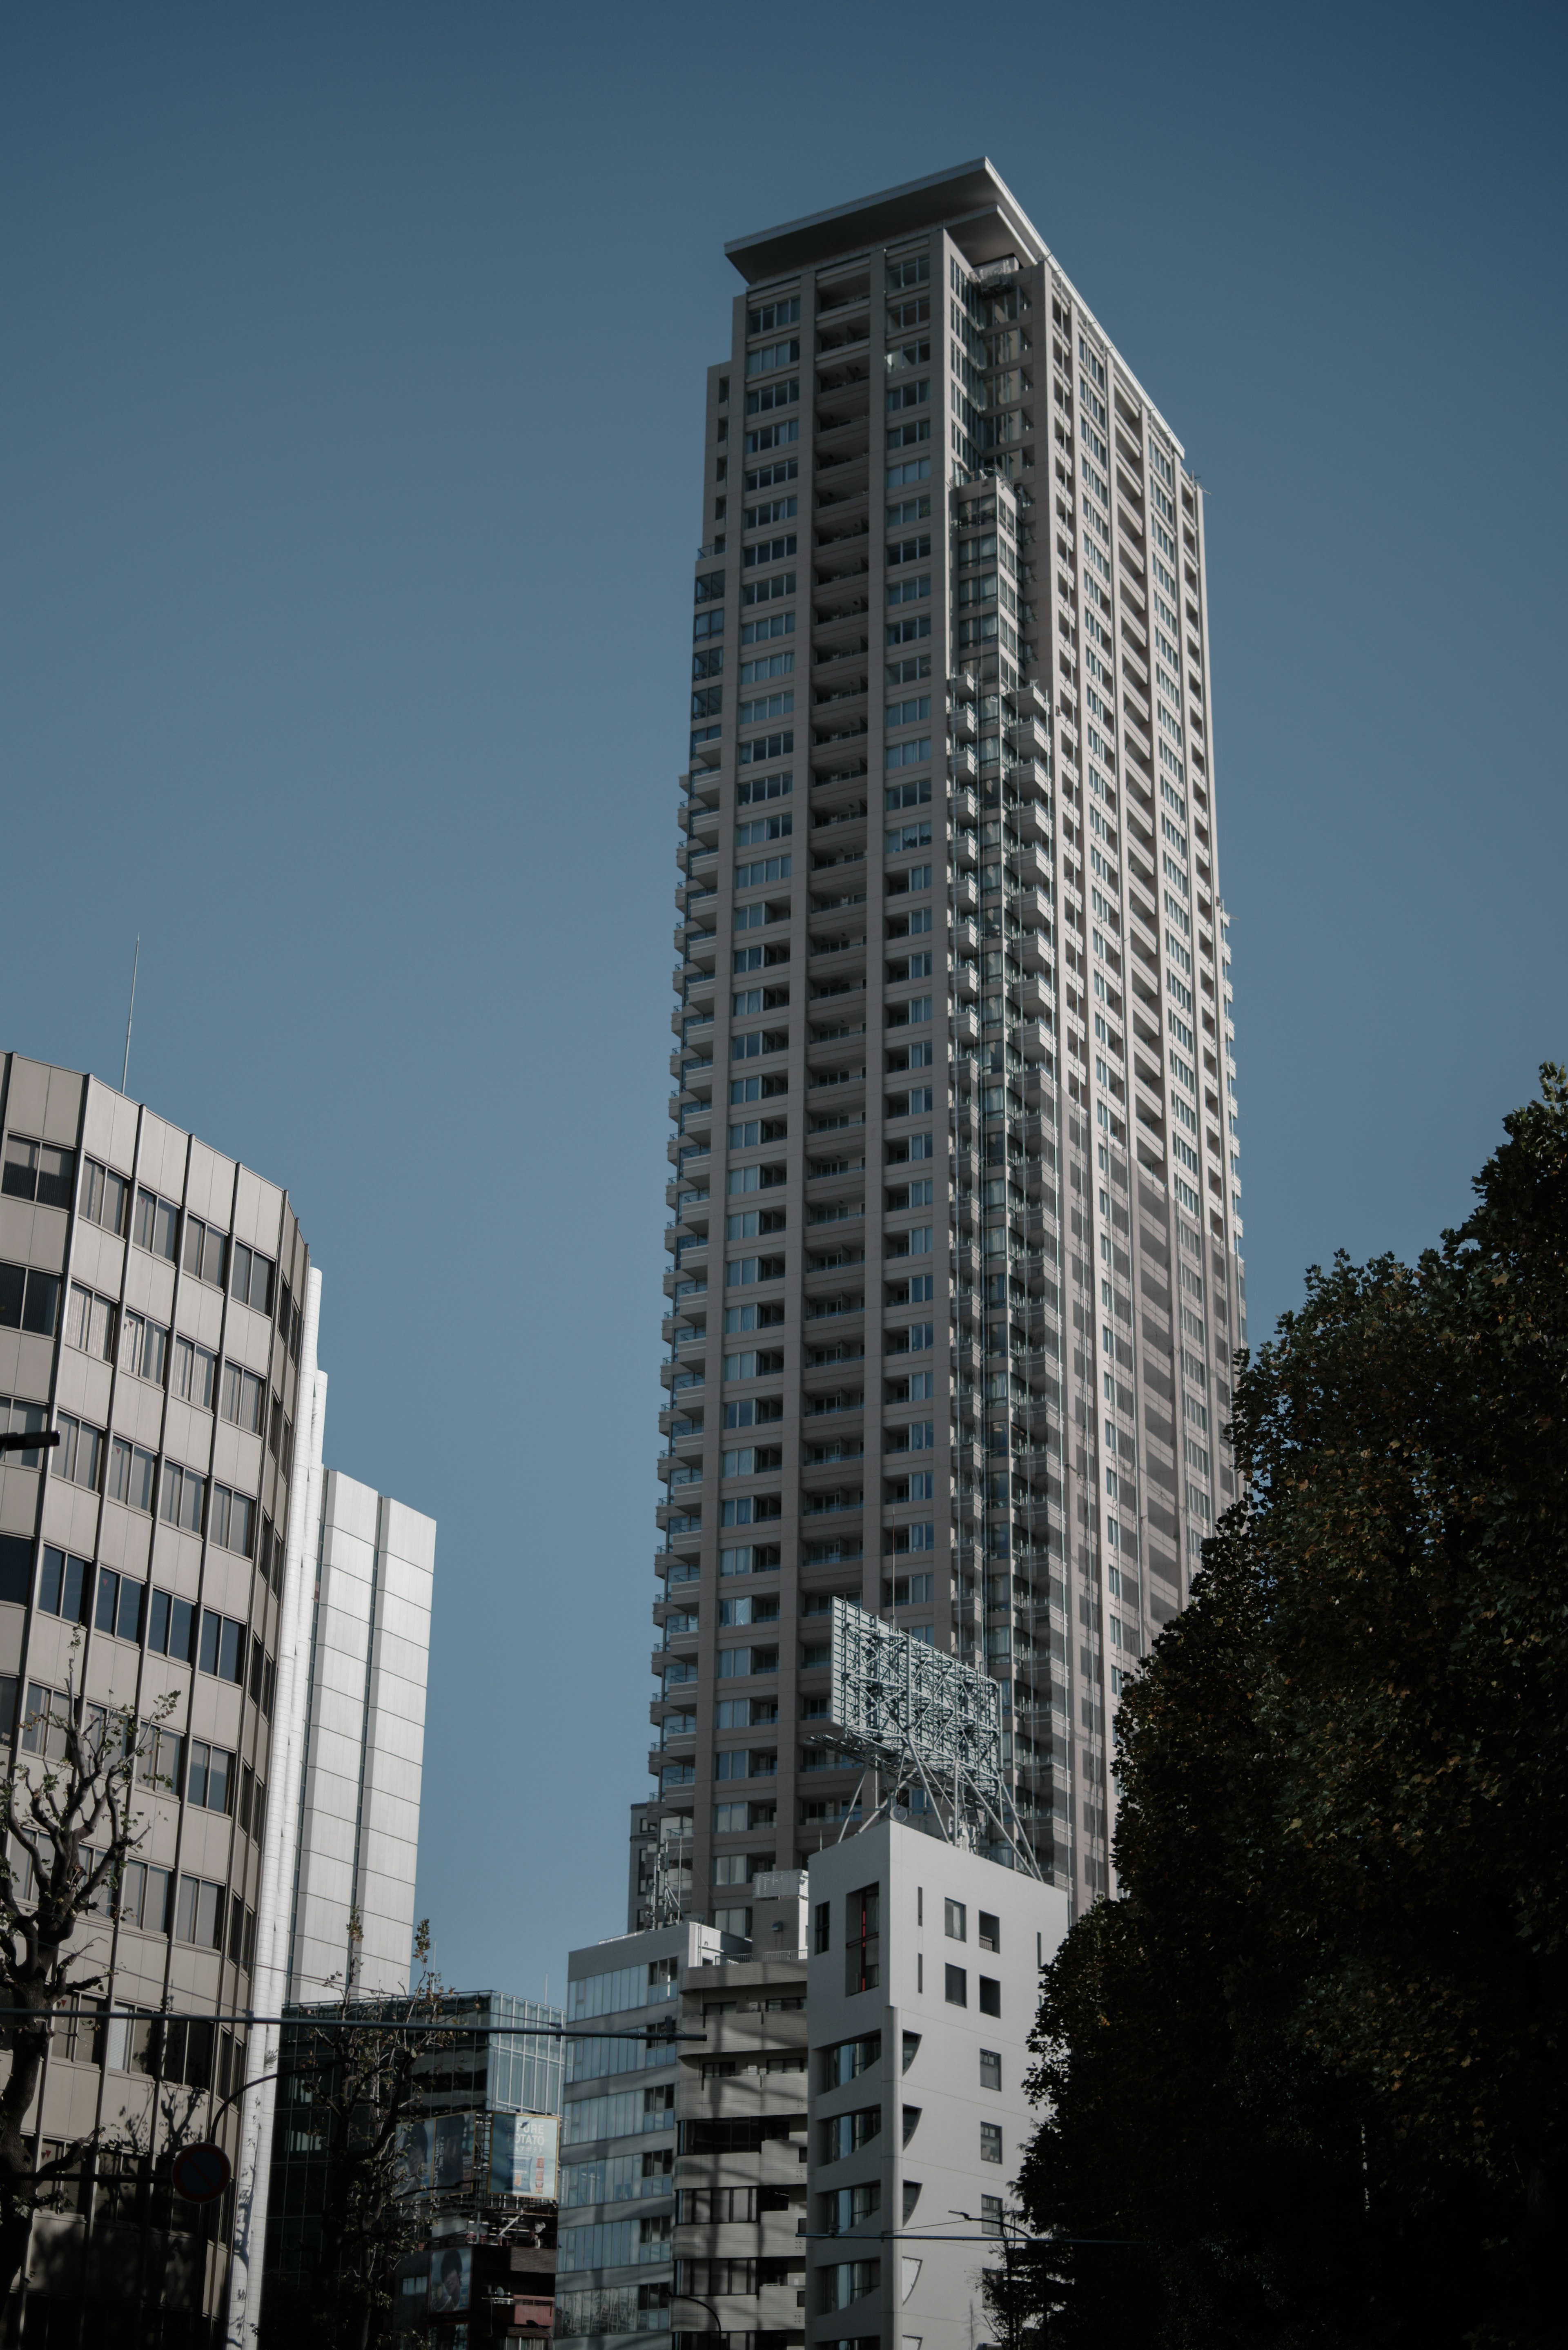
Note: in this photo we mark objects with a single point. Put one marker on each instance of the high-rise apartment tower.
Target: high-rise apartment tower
(955, 1279)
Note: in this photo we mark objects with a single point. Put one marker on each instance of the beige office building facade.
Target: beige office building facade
(184, 1552)
(151, 1310)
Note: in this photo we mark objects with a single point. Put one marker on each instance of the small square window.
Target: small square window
(991, 2068)
(990, 1931)
(955, 1920)
(991, 2142)
(957, 1991)
(990, 1995)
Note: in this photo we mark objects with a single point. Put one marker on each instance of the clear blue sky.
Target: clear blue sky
(352, 399)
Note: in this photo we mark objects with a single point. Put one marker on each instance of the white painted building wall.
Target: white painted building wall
(343, 1810)
(360, 1803)
(929, 2077)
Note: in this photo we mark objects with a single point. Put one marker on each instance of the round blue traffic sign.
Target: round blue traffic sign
(201, 2173)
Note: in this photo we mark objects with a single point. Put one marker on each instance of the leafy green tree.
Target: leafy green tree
(1303, 2080)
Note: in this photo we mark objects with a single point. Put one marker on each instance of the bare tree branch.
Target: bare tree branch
(55, 1805)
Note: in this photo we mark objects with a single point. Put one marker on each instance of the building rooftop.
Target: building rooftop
(965, 189)
(971, 201)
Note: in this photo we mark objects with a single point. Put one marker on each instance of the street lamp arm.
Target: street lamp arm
(698, 2303)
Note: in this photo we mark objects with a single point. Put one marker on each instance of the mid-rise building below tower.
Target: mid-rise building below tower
(812, 2138)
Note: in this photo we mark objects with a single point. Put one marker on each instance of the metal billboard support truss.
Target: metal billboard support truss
(664, 1901)
(922, 1726)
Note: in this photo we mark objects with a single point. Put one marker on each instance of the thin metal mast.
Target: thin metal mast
(130, 1015)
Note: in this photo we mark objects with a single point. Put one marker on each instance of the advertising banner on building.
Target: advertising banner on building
(452, 2153)
(413, 2171)
(452, 2278)
(523, 2154)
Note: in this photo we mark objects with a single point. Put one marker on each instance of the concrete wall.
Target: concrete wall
(926, 2291)
(359, 1818)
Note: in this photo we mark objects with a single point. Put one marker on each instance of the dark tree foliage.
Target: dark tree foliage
(1303, 2083)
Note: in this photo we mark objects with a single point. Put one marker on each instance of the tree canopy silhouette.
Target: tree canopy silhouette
(1303, 2082)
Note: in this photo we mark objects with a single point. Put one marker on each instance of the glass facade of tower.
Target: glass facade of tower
(954, 1281)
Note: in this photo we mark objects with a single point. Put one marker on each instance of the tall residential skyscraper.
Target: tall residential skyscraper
(955, 1278)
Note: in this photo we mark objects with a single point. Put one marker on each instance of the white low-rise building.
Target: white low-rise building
(922, 1985)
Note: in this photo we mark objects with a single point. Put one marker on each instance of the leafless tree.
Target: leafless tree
(1021, 2295)
(357, 2088)
(66, 1831)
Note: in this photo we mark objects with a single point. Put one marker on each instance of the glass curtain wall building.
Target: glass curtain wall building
(474, 2177)
(616, 2261)
(954, 1278)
